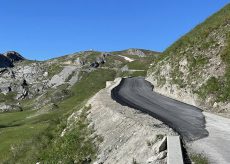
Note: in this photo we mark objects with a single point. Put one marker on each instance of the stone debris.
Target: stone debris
(126, 133)
(161, 146)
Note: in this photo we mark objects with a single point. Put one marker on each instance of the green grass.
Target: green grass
(199, 159)
(15, 128)
(131, 74)
(9, 98)
(139, 65)
(37, 138)
(74, 147)
(54, 69)
(93, 56)
(114, 62)
(161, 80)
(88, 86)
(138, 73)
(196, 62)
(199, 34)
(130, 56)
(220, 87)
(225, 83)
(196, 46)
(14, 118)
(210, 87)
(26, 62)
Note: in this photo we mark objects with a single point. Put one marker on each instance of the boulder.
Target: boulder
(103, 55)
(162, 155)
(162, 145)
(45, 74)
(158, 158)
(125, 68)
(7, 108)
(94, 65)
(23, 90)
(79, 62)
(100, 60)
(5, 88)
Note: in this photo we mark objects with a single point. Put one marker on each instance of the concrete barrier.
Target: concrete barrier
(174, 150)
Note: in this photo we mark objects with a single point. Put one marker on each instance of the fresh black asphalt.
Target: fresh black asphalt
(185, 119)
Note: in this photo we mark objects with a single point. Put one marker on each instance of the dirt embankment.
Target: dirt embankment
(127, 136)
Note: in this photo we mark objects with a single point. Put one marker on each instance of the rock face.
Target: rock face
(99, 61)
(7, 59)
(136, 52)
(63, 76)
(14, 56)
(95, 64)
(21, 80)
(7, 108)
(5, 62)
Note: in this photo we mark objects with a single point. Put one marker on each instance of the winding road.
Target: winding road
(185, 119)
(208, 132)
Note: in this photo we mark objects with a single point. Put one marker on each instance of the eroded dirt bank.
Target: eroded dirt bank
(127, 135)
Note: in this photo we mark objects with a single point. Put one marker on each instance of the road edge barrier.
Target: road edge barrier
(174, 155)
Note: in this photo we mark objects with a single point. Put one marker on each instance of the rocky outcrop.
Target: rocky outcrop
(7, 59)
(23, 90)
(9, 107)
(14, 56)
(64, 76)
(31, 79)
(5, 62)
(79, 62)
(99, 61)
(136, 52)
(95, 64)
(22, 80)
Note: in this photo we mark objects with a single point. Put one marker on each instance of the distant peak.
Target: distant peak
(137, 52)
(14, 56)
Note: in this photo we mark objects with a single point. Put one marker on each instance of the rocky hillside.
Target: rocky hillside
(37, 98)
(23, 79)
(196, 68)
(7, 59)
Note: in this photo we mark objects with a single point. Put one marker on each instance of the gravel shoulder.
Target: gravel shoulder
(216, 147)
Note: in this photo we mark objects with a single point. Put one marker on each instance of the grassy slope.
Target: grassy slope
(37, 138)
(198, 34)
(196, 40)
(27, 136)
(139, 63)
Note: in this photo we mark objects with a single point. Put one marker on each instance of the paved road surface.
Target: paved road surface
(185, 119)
(217, 145)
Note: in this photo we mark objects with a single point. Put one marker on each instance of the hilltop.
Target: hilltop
(7, 59)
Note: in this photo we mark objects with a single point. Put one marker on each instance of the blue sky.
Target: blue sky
(43, 29)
